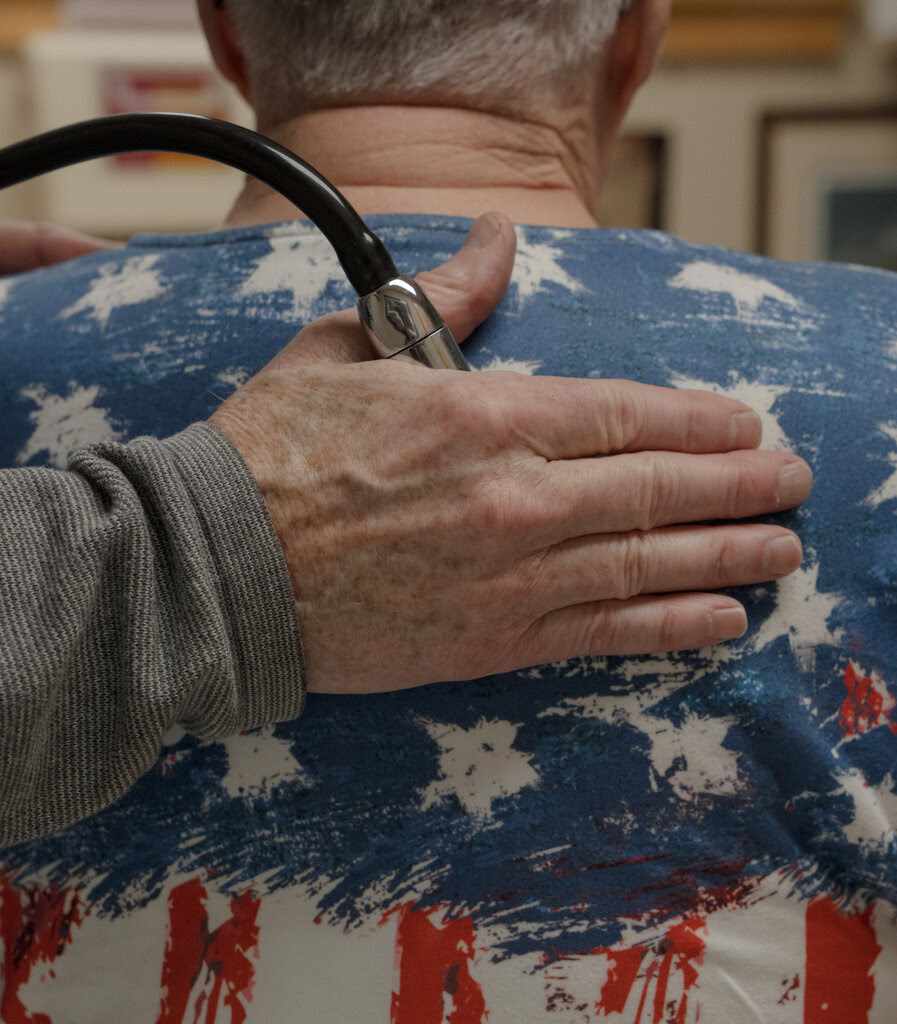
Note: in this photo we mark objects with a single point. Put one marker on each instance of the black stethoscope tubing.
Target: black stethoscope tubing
(363, 256)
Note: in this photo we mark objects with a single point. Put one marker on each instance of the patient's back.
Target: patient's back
(703, 836)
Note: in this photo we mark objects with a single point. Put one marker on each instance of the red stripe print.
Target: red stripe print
(682, 951)
(433, 965)
(222, 953)
(35, 925)
(645, 984)
(868, 704)
(623, 969)
(841, 951)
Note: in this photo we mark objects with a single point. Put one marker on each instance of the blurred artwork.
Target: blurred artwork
(862, 224)
(828, 186)
(161, 14)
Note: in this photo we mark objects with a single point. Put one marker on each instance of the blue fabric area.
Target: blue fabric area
(632, 787)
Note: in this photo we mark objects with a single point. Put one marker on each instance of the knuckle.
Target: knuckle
(669, 629)
(511, 503)
(476, 408)
(695, 426)
(660, 491)
(603, 630)
(723, 559)
(622, 423)
(741, 486)
(633, 565)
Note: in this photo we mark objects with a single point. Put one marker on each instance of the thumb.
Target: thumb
(464, 290)
(467, 288)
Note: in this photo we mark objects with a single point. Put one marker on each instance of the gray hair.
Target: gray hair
(303, 54)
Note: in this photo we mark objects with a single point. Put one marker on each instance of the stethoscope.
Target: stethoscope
(399, 318)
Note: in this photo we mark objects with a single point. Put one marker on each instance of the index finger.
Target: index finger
(571, 418)
(27, 245)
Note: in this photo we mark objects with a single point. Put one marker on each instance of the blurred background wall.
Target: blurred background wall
(770, 125)
(768, 110)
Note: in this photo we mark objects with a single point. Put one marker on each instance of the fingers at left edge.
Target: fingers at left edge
(29, 245)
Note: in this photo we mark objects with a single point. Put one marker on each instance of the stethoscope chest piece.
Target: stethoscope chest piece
(402, 323)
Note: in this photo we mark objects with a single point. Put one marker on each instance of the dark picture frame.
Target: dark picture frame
(827, 185)
(634, 190)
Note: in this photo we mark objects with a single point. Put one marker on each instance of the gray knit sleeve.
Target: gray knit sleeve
(142, 587)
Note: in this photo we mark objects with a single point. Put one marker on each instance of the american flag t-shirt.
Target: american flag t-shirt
(703, 836)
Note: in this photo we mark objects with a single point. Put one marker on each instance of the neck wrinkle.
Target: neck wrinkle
(401, 159)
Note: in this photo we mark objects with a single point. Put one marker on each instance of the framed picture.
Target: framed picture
(741, 31)
(78, 74)
(633, 191)
(828, 186)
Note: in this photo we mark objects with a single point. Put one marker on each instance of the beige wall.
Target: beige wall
(709, 115)
(711, 118)
(19, 201)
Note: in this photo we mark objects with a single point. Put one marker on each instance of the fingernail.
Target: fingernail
(484, 231)
(782, 555)
(745, 430)
(795, 481)
(728, 623)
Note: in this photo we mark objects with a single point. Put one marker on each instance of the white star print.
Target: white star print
(747, 291)
(760, 397)
(302, 265)
(478, 765)
(689, 756)
(257, 761)
(874, 810)
(63, 423)
(536, 265)
(525, 366)
(800, 614)
(127, 284)
(888, 488)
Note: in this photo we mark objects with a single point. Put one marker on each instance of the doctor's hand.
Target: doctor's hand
(445, 525)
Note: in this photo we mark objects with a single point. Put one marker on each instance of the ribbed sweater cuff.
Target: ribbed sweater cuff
(254, 583)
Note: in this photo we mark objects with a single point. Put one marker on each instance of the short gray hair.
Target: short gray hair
(303, 54)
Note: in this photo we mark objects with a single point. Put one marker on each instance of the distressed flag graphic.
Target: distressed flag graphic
(704, 836)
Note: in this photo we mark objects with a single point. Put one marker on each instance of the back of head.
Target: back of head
(303, 55)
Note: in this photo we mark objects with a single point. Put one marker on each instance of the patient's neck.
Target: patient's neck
(444, 160)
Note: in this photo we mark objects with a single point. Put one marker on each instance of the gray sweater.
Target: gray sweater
(143, 587)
